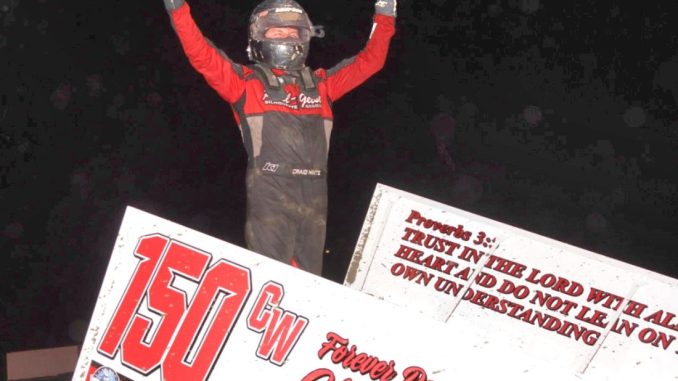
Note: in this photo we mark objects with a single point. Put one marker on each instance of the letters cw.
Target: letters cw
(274, 323)
(187, 337)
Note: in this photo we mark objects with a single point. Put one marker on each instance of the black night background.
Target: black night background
(558, 117)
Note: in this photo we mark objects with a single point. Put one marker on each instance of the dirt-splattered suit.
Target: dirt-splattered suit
(285, 118)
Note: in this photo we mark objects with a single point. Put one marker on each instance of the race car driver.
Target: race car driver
(284, 113)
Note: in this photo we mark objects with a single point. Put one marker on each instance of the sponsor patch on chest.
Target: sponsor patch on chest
(292, 97)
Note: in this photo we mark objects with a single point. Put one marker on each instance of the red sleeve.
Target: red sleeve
(353, 71)
(219, 71)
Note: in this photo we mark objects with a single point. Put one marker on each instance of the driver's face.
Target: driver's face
(281, 32)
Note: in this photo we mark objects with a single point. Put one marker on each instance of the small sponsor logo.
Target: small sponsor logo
(309, 102)
(294, 99)
(306, 172)
(381, 3)
(270, 167)
(105, 373)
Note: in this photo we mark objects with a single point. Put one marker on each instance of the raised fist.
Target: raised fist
(171, 5)
(385, 7)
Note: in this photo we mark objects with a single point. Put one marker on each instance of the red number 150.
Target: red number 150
(189, 356)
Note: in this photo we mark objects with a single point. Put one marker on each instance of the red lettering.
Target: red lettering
(206, 324)
(362, 362)
(664, 319)
(506, 266)
(608, 300)
(149, 250)
(414, 373)
(270, 295)
(417, 219)
(165, 301)
(414, 215)
(624, 326)
(318, 375)
(280, 336)
(223, 279)
(558, 284)
(333, 340)
(595, 318)
(635, 309)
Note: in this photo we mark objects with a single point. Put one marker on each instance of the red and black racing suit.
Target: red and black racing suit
(286, 133)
